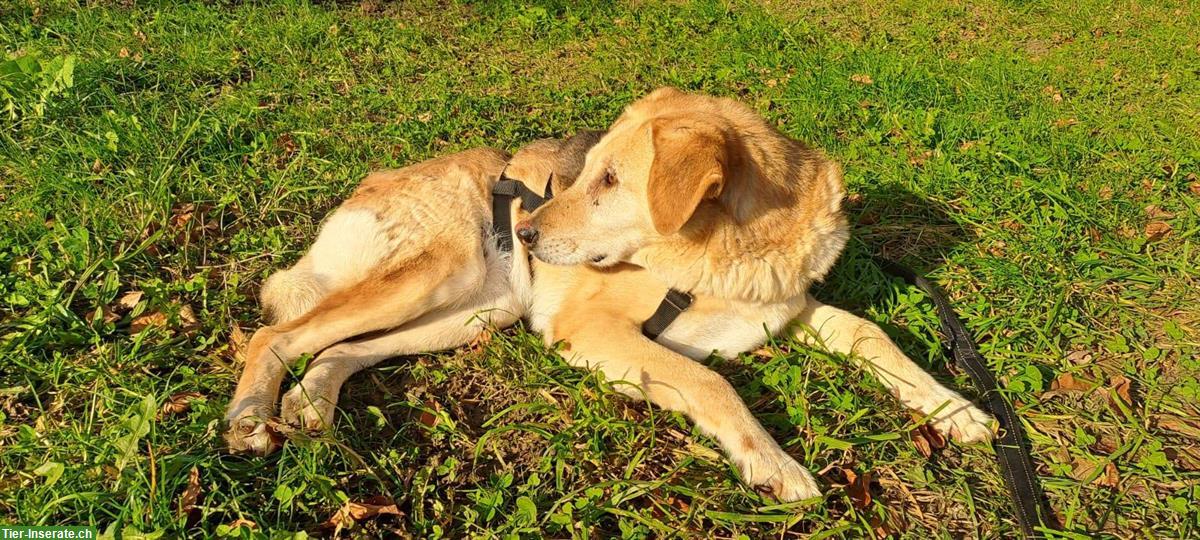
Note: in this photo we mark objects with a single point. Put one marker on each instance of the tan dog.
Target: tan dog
(688, 192)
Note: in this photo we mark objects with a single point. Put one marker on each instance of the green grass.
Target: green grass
(1016, 151)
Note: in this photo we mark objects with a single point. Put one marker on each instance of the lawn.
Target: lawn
(1038, 159)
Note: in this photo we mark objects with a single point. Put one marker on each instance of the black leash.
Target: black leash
(1016, 463)
(503, 193)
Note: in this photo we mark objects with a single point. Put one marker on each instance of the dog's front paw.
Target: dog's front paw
(249, 431)
(772, 472)
(308, 408)
(961, 420)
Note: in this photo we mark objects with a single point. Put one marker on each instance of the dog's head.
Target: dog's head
(644, 180)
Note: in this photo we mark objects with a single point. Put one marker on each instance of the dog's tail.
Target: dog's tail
(288, 294)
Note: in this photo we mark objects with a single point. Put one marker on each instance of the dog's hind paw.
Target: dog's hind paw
(309, 410)
(773, 472)
(250, 431)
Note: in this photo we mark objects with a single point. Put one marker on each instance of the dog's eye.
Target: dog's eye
(609, 179)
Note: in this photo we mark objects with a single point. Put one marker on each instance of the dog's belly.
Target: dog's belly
(727, 327)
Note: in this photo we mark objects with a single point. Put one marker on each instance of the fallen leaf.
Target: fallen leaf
(129, 300)
(237, 343)
(191, 494)
(428, 418)
(1065, 122)
(1105, 193)
(1079, 357)
(352, 512)
(861, 78)
(1194, 187)
(188, 317)
(123, 53)
(178, 403)
(1157, 230)
(239, 523)
(156, 318)
(1054, 94)
(1067, 382)
(859, 489)
(1155, 211)
(1083, 469)
(1120, 385)
(1178, 424)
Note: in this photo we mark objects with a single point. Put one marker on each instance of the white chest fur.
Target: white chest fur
(728, 327)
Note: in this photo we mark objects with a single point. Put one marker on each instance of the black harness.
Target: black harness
(503, 193)
(1012, 451)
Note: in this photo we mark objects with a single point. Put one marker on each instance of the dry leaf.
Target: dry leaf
(1105, 193)
(188, 317)
(1120, 385)
(1157, 230)
(237, 343)
(182, 214)
(178, 403)
(354, 511)
(1065, 122)
(1155, 211)
(428, 418)
(123, 53)
(1194, 187)
(859, 489)
(1178, 424)
(1079, 357)
(239, 523)
(861, 78)
(191, 494)
(1067, 382)
(1054, 94)
(129, 300)
(156, 318)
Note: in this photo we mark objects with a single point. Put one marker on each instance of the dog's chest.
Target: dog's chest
(727, 327)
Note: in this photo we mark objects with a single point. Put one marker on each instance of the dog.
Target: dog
(684, 191)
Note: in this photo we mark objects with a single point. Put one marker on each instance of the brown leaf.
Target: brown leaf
(239, 523)
(178, 403)
(129, 300)
(859, 489)
(1066, 382)
(1105, 193)
(191, 494)
(1065, 122)
(926, 438)
(428, 418)
(181, 214)
(1194, 187)
(156, 318)
(1178, 424)
(1120, 385)
(861, 78)
(1155, 211)
(1079, 357)
(123, 53)
(237, 342)
(188, 317)
(352, 512)
(1157, 230)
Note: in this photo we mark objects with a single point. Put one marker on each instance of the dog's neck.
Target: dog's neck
(775, 229)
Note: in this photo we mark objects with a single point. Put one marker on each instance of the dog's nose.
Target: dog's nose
(527, 233)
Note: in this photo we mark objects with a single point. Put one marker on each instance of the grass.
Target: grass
(1038, 159)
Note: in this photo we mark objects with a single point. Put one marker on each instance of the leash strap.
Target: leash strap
(1016, 463)
(672, 305)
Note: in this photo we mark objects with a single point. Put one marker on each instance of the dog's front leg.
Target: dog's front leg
(845, 333)
(642, 368)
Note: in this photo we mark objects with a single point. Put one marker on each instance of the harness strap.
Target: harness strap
(502, 196)
(503, 193)
(672, 305)
(1016, 463)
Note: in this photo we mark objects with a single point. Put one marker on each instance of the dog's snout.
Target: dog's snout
(527, 233)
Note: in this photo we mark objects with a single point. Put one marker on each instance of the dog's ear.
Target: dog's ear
(690, 158)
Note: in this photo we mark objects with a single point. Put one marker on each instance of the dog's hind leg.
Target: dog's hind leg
(843, 332)
(388, 298)
(310, 404)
